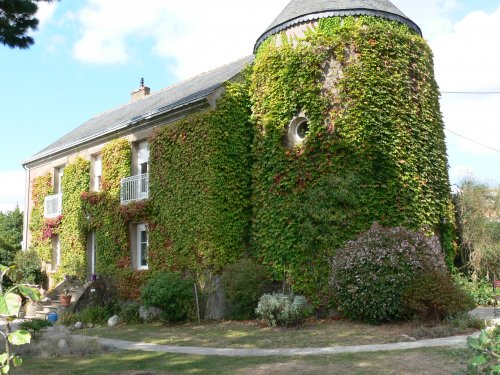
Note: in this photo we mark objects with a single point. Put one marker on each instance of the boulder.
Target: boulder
(113, 321)
(149, 313)
(78, 325)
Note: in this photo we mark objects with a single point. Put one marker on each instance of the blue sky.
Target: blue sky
(90, 54)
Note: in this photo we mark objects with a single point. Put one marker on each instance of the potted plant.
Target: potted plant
(65, 298)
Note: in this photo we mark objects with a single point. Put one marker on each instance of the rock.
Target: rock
(78, 325)
(113, 321)
(62, 344)
(149, 313)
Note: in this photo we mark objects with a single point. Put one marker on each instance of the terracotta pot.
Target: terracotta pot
(65, 300)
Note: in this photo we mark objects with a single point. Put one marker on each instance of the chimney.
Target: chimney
(141, 92)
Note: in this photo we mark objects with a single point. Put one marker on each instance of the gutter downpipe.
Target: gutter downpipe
(24, 246)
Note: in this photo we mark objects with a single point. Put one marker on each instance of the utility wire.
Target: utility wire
(471, 140)
(472, 92)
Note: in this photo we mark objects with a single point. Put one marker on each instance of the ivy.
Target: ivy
(200, 170)
(40, 242)
(375, 150)
(73, 230)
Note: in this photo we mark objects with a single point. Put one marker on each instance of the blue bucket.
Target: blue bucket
(52, 317)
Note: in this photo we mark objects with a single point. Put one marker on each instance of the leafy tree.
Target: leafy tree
(11, 234)
(478, 209)
(17, 19)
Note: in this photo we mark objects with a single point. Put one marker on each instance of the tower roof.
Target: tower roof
(298, 11)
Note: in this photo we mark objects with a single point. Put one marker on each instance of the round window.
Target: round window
(302, 129)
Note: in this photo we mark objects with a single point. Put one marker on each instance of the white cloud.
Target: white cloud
(468, 57)
(197, 35)
(12, 190)
(45, 13)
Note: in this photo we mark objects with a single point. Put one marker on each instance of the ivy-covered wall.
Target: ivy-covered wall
(375, 150)
(200, 175)
(73, 227)
(40, 239)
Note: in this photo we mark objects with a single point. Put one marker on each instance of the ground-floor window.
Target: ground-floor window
(142, 247)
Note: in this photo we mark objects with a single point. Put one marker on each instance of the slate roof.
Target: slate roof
(298, 11)
(164, 101)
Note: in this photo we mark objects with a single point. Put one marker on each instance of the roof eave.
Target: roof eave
(336, 13)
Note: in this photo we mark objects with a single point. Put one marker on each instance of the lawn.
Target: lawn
(432, 361)
(249, 335)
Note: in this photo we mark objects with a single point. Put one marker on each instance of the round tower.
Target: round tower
(348, 132)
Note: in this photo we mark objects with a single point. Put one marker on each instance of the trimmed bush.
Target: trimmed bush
(243, 282)
(283, 310)
(170, 293)
(370, 273)
(433, 296)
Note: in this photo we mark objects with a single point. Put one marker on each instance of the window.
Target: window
(58, 175)
(142, 247)
(142, 157)
(93, 253)
(142, 166)
(56, 252)
(97, 172)
(297, 131)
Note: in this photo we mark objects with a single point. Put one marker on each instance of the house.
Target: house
(332, 124)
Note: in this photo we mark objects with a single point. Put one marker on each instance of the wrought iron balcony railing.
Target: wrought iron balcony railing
(134, 188)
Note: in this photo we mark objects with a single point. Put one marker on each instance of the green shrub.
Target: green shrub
(433, 296)
(243, 282)
(283, 310)
(481, 290)
(170, 293)
(29, 267)
(129, 313)
(370, 273)
(95, 315)
(35, 327)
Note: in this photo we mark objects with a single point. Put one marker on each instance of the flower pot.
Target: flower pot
(65, 300)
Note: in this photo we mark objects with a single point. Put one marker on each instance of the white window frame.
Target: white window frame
(142, 156)
(97, 172)
(142, 228)
(93, 253)
(57, 241)
(58, 175)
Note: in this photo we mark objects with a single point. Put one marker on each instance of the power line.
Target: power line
(472, 92)
(471, 140)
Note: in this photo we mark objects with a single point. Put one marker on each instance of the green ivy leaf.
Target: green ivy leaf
(5, 369)
(30, 293)
(19, 337)
(3, 358)
(478, 360)
(17, 361)
(10, 304)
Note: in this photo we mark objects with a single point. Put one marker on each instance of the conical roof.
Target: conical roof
(298, 11)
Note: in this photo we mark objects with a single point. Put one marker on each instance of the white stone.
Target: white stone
(113, 321)
(78, 325)
(62, 344)
(149, 313)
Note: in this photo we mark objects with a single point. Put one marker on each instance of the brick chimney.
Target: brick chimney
(141, 92)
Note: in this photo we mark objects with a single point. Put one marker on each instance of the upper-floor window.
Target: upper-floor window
(58, 175)
(96, 172)
(142, 157)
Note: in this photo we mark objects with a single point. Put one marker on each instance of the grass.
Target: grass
(247, 335)
(432, 361)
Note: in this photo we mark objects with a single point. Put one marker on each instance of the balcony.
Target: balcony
(52, 206)
(134, 188)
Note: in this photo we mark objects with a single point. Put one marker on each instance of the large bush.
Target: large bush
(170, 293)
(282, 310)
(29, 267)
(369, 274)
(243, 282)
(433, 296)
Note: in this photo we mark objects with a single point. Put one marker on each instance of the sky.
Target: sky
(90, 54)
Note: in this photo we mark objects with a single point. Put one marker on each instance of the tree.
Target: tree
(478, 209)
(17, 19)
(11, 234)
